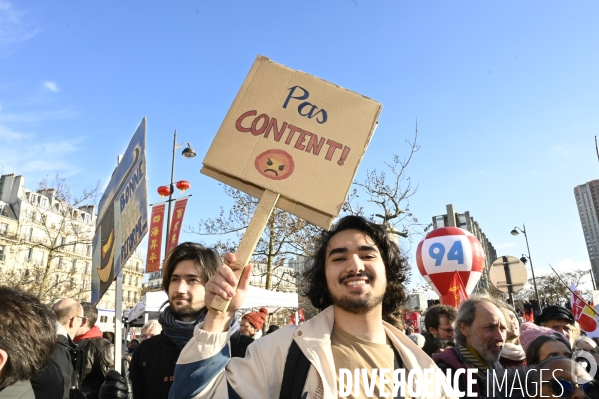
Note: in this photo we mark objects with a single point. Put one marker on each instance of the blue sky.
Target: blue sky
(505, 93)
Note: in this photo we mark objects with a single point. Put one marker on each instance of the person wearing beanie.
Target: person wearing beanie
(251, 323)
(529, 332)
(547, 346)
(557, 318)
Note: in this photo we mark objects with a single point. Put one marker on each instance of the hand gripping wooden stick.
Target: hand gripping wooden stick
(249, 241)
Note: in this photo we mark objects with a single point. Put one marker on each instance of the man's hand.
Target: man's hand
(225, 285)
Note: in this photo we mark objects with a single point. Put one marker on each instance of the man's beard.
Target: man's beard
(483, 349)
(357, 305)
(188, 311)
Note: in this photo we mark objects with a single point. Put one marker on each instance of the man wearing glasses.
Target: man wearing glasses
(69, 315)
(98, 352)
(439, 321)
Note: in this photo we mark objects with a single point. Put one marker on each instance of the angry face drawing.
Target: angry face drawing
(274, 164)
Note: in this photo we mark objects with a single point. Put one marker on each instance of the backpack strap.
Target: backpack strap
(297, 366)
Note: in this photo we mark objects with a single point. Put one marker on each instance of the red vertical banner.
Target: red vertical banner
(155, 240)
(176, 223)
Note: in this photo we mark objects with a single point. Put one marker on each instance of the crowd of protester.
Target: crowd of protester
(356, 280)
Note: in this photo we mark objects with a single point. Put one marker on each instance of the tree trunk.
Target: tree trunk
(45, 277)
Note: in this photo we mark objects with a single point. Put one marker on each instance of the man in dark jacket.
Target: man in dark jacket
(480, 336)
(70, 317)
(188, 267)
(98, 353)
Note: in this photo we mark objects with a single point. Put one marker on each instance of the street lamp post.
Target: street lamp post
(532, 270)
(188, 152)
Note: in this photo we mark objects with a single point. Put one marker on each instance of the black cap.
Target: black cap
(554, 312)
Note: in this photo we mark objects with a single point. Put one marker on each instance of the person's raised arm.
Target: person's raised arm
(224, 284)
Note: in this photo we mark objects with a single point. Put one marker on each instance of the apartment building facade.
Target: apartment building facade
(46, 245)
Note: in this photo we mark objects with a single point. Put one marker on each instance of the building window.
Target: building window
(88, 250)
(86, 268)
(3, 228)
(30, 255)
(59, 266)
(2, 257)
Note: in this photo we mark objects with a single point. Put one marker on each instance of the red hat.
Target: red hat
(257, 319)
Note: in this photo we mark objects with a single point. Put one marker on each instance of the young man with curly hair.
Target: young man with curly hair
(356, 278)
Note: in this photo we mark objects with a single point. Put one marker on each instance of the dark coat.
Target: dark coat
(49, 384)
(98, 360)
(153, 363)
(66, 354)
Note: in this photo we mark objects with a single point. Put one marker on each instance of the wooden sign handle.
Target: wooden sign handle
(249, 241)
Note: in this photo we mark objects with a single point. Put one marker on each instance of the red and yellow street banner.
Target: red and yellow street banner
(155, 240)
(176, 223)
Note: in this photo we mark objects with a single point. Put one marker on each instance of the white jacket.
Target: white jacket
(205, 369)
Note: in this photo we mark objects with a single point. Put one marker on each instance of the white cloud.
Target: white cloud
(35, 155)
(506, 245)
(7, 134)
(28, 161)
(568, 265)
(51, 86)
(559, 150)
(60, 147)
(37, 116)
(13, 29)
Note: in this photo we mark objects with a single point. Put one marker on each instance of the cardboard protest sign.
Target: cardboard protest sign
(294, 141)
(296, 135)
(122, 215)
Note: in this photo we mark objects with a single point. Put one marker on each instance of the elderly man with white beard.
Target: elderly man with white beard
(480, 335)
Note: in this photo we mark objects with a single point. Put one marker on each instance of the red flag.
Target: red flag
(583, 314)
(456, 293)
(155, 240)
(176, 223)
